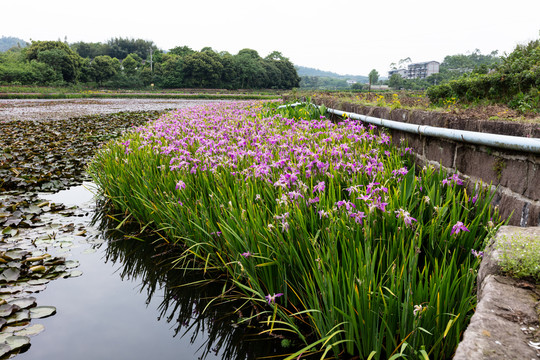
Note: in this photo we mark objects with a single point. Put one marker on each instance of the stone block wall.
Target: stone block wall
(515, 174)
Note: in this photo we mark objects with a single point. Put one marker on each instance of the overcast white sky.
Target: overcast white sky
(343, 36)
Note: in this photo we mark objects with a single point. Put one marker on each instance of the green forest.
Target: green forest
(136, 63)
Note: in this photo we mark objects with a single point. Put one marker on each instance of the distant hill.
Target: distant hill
(306, 71)
(7, 42)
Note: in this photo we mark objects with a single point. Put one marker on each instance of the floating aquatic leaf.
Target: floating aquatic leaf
(8, 309)
(7, 230)
(24, 303)
(19, 316)
(40, 312)
(40, 242)
(60, 268)
(10, 274)
(16, 254)
(75, 273)
(37, 282)
(4, 335)
(38, 269)
(17, 342)
(37, 258)
(71, 264)
(31, 330)
(35, 288)
(4, 349)
(89, 251)
(55, 261)
(33, 209)
(11, 289)
(17, 327)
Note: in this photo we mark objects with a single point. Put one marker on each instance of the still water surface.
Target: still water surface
(102, 316)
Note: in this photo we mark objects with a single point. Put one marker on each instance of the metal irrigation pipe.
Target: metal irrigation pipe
(531, 145)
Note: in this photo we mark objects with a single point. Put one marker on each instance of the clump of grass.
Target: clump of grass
(324, 224)
(520, 256)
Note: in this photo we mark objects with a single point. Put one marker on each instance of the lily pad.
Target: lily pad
(10, 274)
(24, 303)
(38, 269)
(35, 288)
(38, 282)
(8, 309)
(31, 330)
(75, 273)
(19, 316)
(4, 336)
(11, 289)
(40, 312)
(5, 349)
(71, 264)
(16, 254)
(17, 342)
(60, 268)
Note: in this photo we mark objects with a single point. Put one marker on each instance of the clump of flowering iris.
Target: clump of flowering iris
(304, 194)
(452, 180)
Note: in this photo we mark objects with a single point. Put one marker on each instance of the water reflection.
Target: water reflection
(191, 309)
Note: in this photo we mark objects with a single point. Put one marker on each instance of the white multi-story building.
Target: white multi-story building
(417, 70)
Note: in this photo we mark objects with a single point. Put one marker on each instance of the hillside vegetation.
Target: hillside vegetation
(515, 82)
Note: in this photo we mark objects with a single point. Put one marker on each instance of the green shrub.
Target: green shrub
(515, 82)
(520, 256)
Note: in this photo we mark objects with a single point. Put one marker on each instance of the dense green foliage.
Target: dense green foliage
(326, 229)
(130, 63)
(515, 81)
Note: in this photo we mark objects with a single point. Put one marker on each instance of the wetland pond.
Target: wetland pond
(123, 306)
(74, 287)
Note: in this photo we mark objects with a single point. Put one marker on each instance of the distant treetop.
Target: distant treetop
(8, 42)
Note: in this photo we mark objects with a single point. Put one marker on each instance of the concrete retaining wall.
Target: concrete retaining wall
(516, 174)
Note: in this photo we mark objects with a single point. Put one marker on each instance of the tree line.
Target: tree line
(136, 63)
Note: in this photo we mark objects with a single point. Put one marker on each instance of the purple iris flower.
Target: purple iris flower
(458, 227)
(272, 298)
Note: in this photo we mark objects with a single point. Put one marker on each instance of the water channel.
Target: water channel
(123, 307)
(114, 300)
